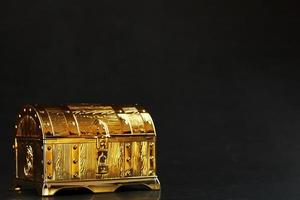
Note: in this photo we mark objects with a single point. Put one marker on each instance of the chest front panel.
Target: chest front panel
(95, 159)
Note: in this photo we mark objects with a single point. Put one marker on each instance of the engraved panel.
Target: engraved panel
(28, 159)
(58, 122)
(136, 158)
(113, 122)
(87, 116)
(28, 168)
(136, 122)
(86, 124)
(152, 157)
(87, 160)
(58, 162)
(144, 160)
(61, 161)
(77, 159)
(148, 123)
(125, 125)
(27, 126)
(82, 160)
(115, 159)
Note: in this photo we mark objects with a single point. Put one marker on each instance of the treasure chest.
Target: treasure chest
(93, 146)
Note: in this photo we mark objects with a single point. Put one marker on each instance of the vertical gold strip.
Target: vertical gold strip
(90, 157)
(89, 161)
(136, 164)
(16, 157)
(82, 161)
(75, 165)
(147, 159)
(144, 158)
(93, 158)
(58, 161)
(49, 162)
(118, 159)
(67, 162)
(122, 159)
(152, 158)
(127, 160)
(110, 158)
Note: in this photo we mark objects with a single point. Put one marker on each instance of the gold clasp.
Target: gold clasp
(102, 148)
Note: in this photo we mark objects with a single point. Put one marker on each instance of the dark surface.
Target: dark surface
(219, 77)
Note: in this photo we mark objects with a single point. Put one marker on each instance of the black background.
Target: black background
(220, 78)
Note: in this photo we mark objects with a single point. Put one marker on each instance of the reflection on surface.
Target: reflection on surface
(85, 195)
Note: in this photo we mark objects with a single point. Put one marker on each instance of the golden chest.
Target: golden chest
(98, 147)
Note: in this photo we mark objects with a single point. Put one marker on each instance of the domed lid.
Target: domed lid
(83, 120)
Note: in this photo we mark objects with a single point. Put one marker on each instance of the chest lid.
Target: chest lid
(83, 120)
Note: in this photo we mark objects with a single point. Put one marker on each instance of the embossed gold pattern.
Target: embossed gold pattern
(28, 168)
(59, 162)
(99, 147)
